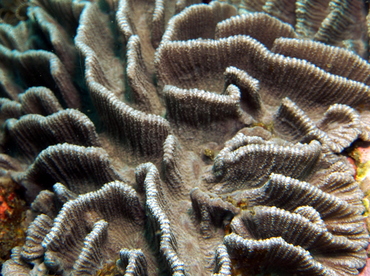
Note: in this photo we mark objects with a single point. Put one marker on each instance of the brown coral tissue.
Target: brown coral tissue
(159, 137)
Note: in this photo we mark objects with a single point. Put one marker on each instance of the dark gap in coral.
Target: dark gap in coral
(42, 42)
(87, 106)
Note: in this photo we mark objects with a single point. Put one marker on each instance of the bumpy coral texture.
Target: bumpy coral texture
(180, 138)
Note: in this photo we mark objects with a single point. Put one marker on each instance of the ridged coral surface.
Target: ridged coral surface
(181, 138)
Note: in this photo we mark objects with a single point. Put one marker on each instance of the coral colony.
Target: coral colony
(152, 137)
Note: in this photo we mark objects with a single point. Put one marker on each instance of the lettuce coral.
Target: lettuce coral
(180, 138)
